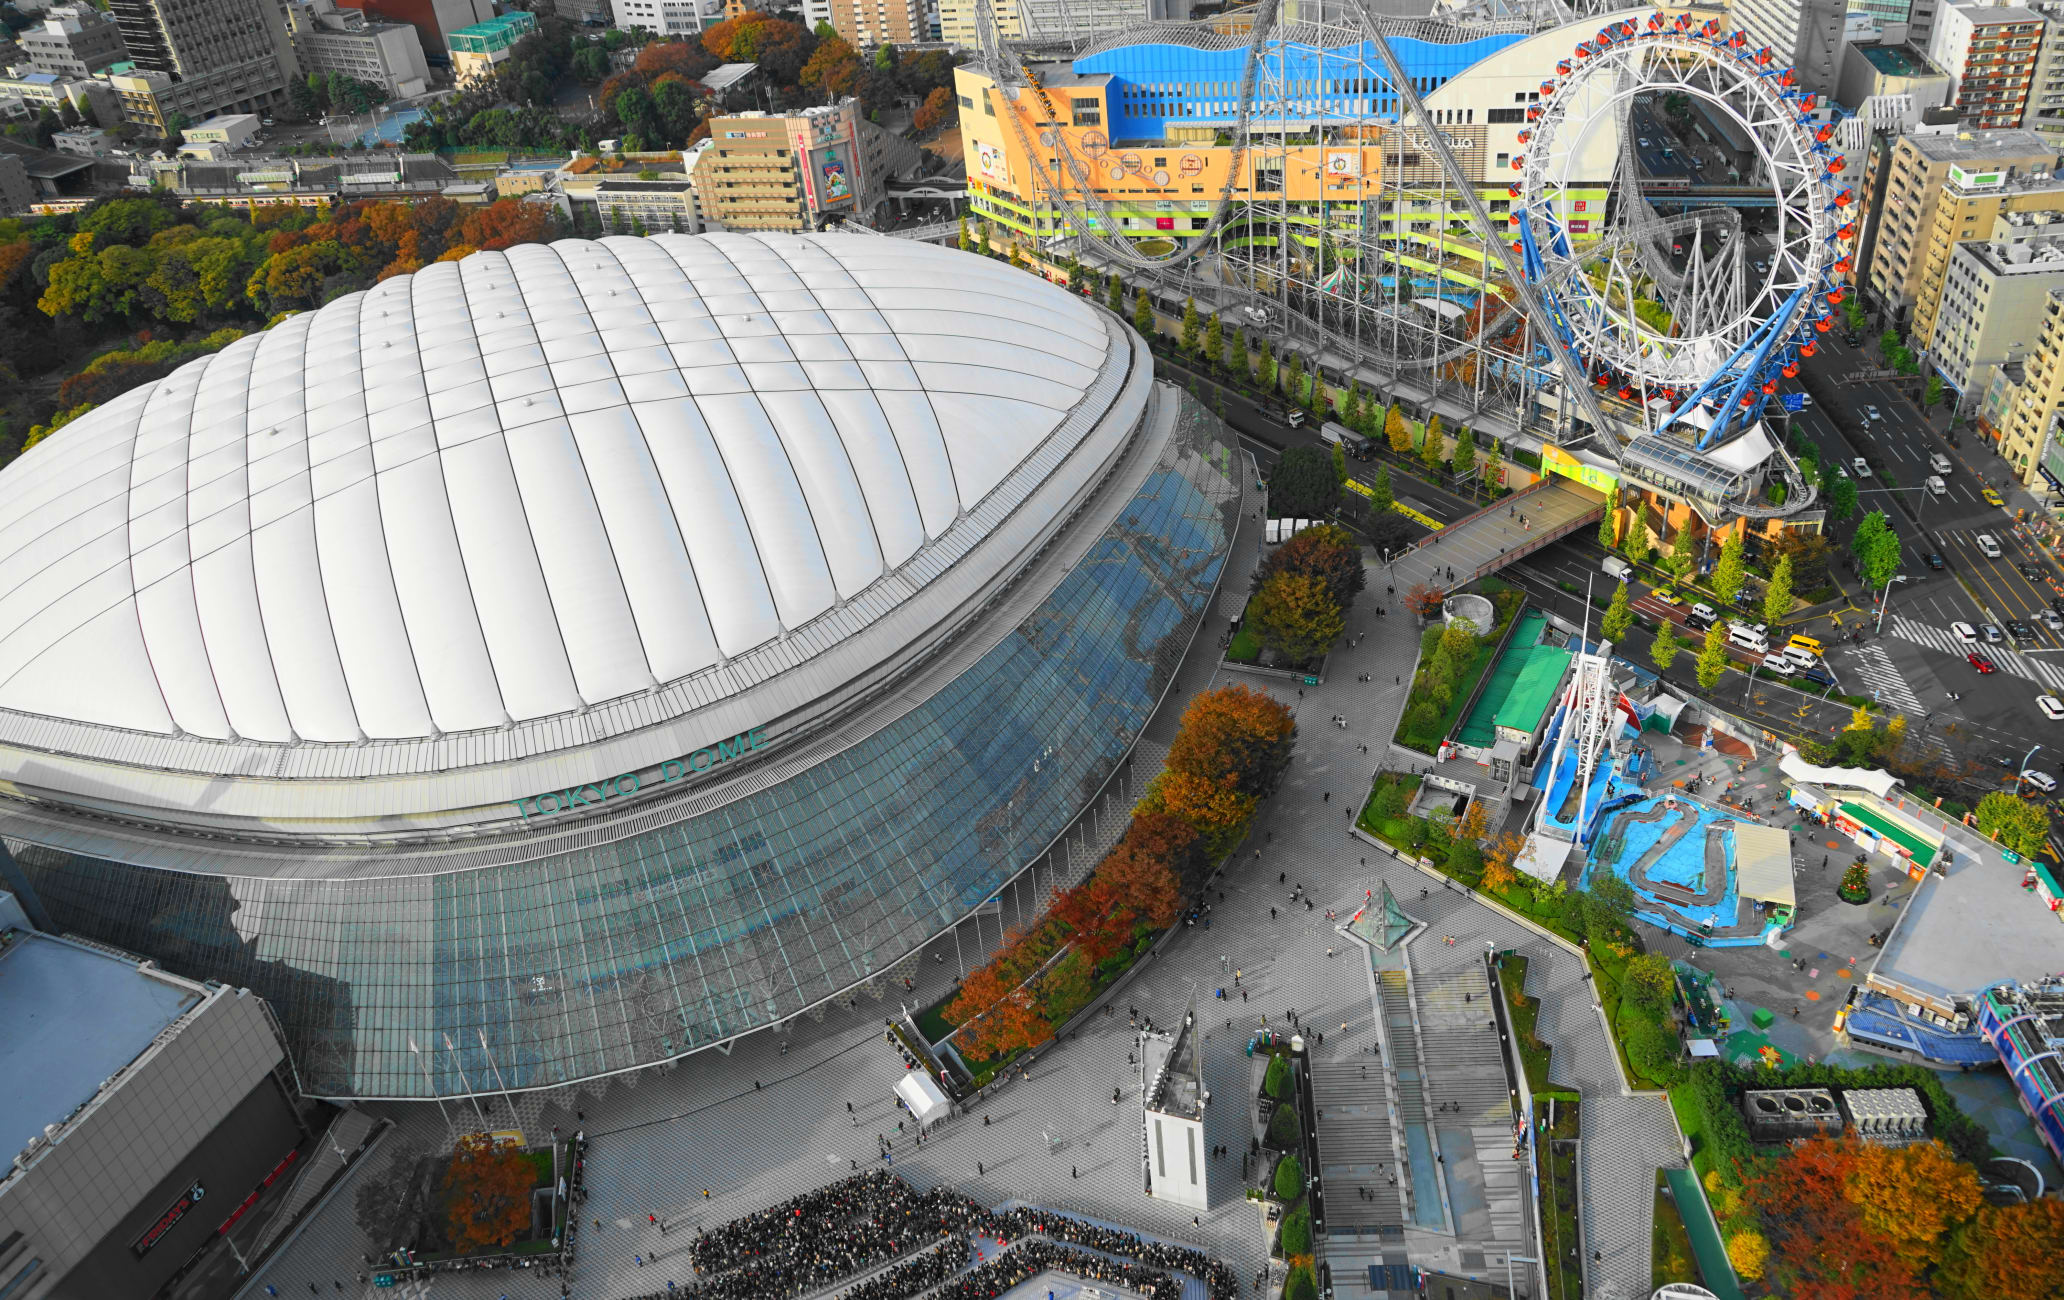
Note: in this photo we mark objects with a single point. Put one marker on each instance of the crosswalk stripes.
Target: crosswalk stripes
(1874, 666)
(1935, 638)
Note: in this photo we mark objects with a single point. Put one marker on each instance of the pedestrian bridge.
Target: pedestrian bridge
(1497, 535)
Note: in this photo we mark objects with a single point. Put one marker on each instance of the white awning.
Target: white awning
(923, 1097)
(1763, 864)
(1746, 452)
(1794, 768)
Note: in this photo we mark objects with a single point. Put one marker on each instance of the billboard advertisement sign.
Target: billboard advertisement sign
(990, 161)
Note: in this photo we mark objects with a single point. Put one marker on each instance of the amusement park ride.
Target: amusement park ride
(1649, 349)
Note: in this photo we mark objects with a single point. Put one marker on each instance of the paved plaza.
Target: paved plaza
(718, 1136)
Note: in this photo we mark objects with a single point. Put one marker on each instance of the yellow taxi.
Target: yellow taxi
(1992, 498)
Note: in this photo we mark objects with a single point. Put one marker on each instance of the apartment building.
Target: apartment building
(1992, 307)
(1018, 19)
(331, 39)
(1991, 53)
(225, 56)
(2027, 426)
(1935, 188)
(667, 17)
(788, 171)
(867, 23)
(1805, 34)
(74, 41)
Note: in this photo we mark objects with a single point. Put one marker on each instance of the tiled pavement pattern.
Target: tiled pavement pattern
(762, 1124)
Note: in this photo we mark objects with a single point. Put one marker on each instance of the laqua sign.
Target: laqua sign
(629, 783)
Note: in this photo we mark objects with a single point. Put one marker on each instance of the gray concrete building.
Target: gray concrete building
(147, 1112)
(389, 55)
(223, 55)
(1994, 302)
(74, 41)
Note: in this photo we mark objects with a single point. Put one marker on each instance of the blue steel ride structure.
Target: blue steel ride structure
(1713, 373)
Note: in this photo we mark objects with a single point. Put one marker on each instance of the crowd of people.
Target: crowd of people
(1029, 1259)
(916, 1275)
(809, 1242)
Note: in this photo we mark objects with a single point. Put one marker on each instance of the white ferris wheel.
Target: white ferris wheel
(1666, 313)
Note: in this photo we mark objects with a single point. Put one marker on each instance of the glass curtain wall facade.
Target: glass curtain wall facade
(625, 955)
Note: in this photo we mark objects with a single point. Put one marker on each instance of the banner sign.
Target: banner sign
(167, 1221)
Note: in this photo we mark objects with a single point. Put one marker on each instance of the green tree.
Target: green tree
(1340, 463)
(2017, 824)
(1192, 326)
(1876, 548)
(1777, 597)
(1381, 501)
(1649, 983)
(1732, 570)
(1303, 486)
(1431, 443)
(1465, 452)
(1841, 497)
(1238, 363)
(1351, 406)
(1277, 1081)
(1636, 543)
(1143, 315)
(1665, 646)
(1491, 455)
(1931, 396)
(963, 240)
(1684, 552)
(1712, 660)
(1293, 375)
(1888, 342)
(1604, 908)
(1214, 342)
(1609, 523)
(1297, 616)
(1618, 618)
(1289, 1177)
(1117, 287)
(1265, 368)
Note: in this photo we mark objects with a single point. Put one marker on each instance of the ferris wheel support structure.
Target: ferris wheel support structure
(1691, 345)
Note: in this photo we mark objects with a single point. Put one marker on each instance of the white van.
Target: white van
(2042, 781)
(1938, 462)
(1937, 486)
(1702, 615)
(1988, 546)
(1748, 639)
(1801, 658)
(1615, 567)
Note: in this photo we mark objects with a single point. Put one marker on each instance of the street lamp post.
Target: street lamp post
(2021, 777)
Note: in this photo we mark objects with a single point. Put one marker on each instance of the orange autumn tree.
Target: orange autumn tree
(2007, 1252)
(487, 1194)
(1913, 1196)
(1228, 754)
(1821, 1246)
(1011, 1025)
(1498, 858)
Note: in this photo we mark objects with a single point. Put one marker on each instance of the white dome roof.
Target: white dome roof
(519, 485)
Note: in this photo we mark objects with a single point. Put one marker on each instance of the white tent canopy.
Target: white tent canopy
(923, 1097)
(1796, 769)
(1763, 864)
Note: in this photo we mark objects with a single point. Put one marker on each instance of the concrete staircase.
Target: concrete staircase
(1394, 994)
(1357, 1146)
(1465, 1066)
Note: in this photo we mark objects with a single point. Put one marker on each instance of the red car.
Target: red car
(1980, 662)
